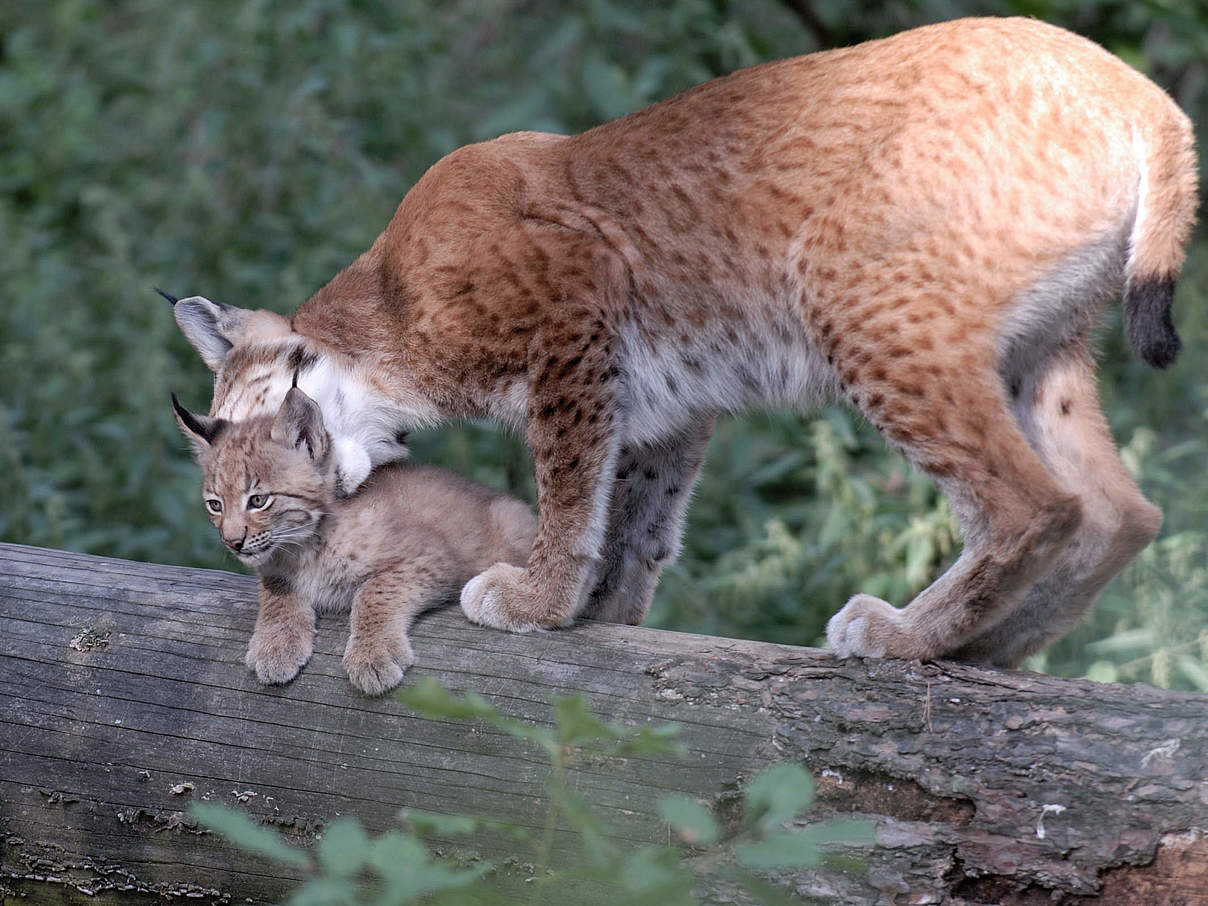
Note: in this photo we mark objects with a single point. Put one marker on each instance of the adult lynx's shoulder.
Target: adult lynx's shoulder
(926, 226)
(408, 540)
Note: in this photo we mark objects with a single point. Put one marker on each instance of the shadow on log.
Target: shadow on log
(125, 697)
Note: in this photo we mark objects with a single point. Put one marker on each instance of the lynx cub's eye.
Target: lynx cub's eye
(257, 501)
(214, 505)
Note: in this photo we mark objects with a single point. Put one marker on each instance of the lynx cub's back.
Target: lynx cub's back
(408, 540)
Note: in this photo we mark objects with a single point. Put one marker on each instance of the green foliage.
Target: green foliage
(795, 522)
(351, 868)
(690, 820)
(778, 794)
(241, 831)
(248, 150)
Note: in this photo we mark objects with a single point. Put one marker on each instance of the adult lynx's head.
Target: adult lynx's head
(256, 357)
(266, 482)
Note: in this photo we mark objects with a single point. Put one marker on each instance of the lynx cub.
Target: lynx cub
(407, 541)
(927, 227)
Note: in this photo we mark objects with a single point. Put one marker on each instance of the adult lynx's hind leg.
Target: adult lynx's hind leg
(646, 521)
(956, 426)
(1063, 420)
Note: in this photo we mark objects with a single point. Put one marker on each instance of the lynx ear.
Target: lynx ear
(299, 424)
(199, 429)
(212, 327)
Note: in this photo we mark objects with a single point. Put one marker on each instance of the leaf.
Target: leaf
(435, 823)
(325, 892)
(693, 822)
(841, 421)
(920, 550)
(431, 699)
(654, 874)
(423, 824)
(1103, 672)
(850, 831)
(657, 740)
(429, 879)
(410, 872)
(241, 831)
(777, 793)
(1126, 640)
(343, 848)
(1195, 671)
(577, 725)
(395, 855)
(780, 850)
(606, 87)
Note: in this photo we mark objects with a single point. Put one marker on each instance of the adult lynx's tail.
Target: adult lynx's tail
(1165, 214)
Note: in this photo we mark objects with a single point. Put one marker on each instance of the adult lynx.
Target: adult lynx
(926, 226)
(408, 540)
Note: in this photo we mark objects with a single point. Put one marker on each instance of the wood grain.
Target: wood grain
(121, 681)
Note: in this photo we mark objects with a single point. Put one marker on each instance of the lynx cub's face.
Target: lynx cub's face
(408, 540)
(266, 482)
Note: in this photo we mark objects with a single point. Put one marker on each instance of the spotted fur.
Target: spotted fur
(927, 226)
(407, 541)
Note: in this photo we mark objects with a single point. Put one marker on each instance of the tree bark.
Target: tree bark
(125, 697)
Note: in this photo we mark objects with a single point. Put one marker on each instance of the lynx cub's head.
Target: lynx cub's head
(266, 482)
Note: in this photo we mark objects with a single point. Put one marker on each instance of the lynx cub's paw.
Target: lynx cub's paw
(501, 597)
(869, 627)
(377, 668)
(277, 653)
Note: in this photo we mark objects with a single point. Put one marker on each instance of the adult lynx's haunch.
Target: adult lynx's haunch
(407, 541)
(927, 226)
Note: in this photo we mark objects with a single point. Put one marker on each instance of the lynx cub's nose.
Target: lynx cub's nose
(235, 544)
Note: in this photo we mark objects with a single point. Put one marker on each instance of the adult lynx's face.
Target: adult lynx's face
(266, 482)
(256, 357)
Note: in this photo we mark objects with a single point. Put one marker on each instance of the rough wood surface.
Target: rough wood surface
(121, 681)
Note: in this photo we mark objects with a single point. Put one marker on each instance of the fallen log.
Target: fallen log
(125, 697)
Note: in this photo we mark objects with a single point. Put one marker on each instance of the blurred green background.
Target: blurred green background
(247, 151)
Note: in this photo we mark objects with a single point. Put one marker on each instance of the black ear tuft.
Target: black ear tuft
(171, 298)
(201, 427)
(299, 424)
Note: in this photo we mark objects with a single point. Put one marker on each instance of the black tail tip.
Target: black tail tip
(171, 298)
(1147, 309)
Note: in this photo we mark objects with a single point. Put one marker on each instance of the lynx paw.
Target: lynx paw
(869, 627)
(503, 598)
(276, 654)
(375, 669)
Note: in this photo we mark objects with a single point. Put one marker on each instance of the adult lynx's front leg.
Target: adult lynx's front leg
(574, 417)
(654, 482)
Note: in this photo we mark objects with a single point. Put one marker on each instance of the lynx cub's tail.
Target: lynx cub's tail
(1165, 215)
